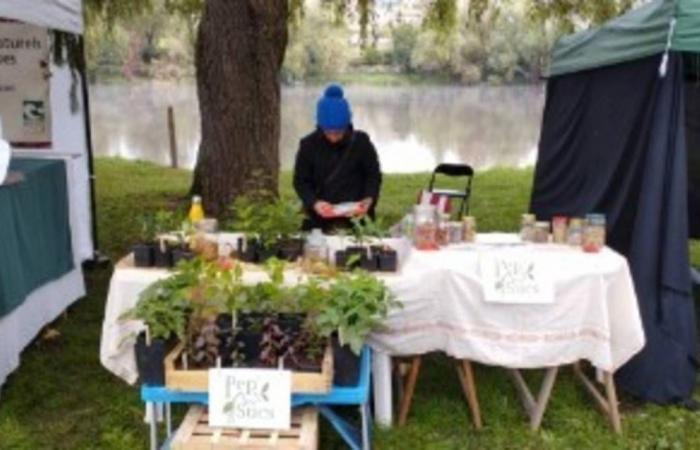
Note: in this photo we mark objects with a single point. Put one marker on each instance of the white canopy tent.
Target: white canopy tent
(69, 142)
(64, 15)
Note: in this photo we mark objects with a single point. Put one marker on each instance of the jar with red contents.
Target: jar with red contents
(425, 227)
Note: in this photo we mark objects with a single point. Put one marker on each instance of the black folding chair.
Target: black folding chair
(454, 170)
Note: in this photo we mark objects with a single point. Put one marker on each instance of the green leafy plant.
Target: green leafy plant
(164, 308)
(364, 230)
(264, 217)
(357, 303)
(147, 228)
(164, 222)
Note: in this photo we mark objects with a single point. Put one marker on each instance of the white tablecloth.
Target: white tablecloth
(118, 337)
(595, 315)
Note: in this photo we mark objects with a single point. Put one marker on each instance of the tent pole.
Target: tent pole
(98, 259)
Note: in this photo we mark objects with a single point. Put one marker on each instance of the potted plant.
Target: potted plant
(370, 253)
(357, 303)
(164, 224)
(386, 258)
(163, 308)
(144, 251)
(182, 250)
(270, 226)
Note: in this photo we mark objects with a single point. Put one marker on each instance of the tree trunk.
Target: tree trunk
(239, 54)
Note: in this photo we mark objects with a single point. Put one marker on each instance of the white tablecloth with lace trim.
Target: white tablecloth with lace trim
(594, 317)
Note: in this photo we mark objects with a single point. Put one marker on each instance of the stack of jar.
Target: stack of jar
(431, 230)
(588, 234)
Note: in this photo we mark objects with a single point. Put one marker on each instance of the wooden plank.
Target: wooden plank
(198, 380)
(200, 436)
(543, 397)
(184, 433)
(466, 377)
(613, 404)
(600, 401)
(408, 390)
(523, 390)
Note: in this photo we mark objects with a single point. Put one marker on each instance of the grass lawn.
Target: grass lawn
(61, 397)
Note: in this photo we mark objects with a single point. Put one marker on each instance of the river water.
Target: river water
(413, 128)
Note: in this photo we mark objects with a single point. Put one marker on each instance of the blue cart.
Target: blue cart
(356, 439)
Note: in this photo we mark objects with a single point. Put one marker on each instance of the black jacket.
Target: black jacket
(344, 172)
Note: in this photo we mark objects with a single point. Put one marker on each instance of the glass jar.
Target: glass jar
(527, 227)
(594, 233)
(574, 234)
(559, 225)
(456, 232)
(469, 228)
(542, 232)
(443, 230)
(425, 227)
(316, 247)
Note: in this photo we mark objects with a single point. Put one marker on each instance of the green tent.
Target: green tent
(642, 32)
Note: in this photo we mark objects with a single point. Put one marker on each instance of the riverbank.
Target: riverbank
(62, 398)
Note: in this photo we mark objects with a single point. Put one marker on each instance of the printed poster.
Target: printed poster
(24, 84)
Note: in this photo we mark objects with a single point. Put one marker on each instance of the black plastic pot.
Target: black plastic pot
(143, 255)
(388, 260)
(163, 257)
(291, 323)
(227, 339)
(370, 264)
(248, 343)
(149, 360)
(359, 254)
(341, 259)
(182, 254)
(346, 365)
(290, 249)
(264, 252)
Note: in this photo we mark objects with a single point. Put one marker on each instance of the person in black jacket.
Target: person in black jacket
(336, 164)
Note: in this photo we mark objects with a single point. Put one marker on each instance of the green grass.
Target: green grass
(62, 398)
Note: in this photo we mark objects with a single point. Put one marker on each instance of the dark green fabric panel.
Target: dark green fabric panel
(35, 238)
(687, 35)
(640, 33)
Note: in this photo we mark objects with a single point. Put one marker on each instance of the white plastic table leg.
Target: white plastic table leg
(153, 426)
(381, 374)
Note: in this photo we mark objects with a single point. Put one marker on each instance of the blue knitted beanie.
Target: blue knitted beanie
(333, 111)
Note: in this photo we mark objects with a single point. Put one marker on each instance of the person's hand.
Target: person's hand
(324, 209)
(363, 207)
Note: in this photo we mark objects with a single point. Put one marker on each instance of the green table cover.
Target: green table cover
(35, 237)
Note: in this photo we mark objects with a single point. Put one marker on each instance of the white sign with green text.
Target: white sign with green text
(250, 398)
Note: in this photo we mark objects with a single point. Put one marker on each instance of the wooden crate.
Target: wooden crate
(196, 434)
(198, 380)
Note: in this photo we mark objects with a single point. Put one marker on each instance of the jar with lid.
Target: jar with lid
(425, 227)
(443, 230)
(594, 233)
(469, 228)
(559, 225)
(574, 234)
(527, 227)
(316, 247)
(541, 232)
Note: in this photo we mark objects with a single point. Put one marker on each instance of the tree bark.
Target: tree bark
(239, 54)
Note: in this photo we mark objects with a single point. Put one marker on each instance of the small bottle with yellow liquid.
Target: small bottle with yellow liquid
(196, 211)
